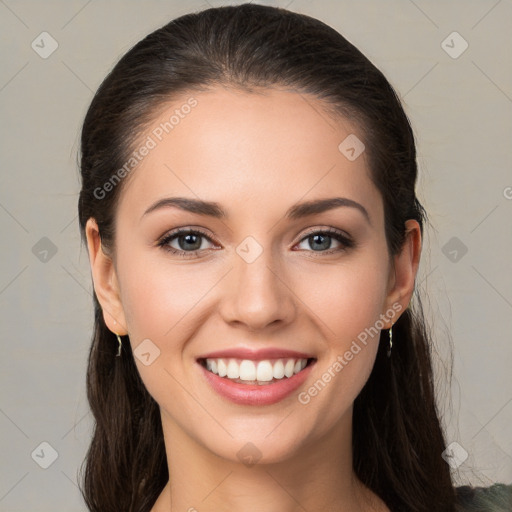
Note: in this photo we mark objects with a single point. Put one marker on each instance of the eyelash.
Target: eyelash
(346, 241)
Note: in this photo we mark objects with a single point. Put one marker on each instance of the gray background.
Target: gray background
(461, 111)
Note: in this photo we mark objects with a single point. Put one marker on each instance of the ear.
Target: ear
(105, 281)
(404, 268)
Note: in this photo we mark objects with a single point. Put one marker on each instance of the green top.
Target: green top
(496, 498)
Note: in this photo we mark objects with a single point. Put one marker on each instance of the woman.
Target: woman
(254, 236)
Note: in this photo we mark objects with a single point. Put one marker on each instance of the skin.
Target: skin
(256, 155)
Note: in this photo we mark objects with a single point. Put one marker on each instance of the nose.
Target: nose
(259, 295)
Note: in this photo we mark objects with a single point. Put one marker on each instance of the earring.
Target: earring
(120, 345)
(390, 346)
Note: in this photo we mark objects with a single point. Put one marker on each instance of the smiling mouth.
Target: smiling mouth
(262, 372)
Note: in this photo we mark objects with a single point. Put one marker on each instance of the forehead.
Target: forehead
(249, 151)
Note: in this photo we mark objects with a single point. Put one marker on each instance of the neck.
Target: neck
(317, 478)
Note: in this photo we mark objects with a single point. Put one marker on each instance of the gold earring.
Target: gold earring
(120, 345)
(390, 346)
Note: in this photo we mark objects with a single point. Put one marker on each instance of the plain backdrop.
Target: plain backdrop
(459, 100)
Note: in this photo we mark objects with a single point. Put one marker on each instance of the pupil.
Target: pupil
(190, 237)
(325, 245)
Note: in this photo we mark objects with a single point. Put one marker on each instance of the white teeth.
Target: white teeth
(247, 370)
(211, 364)
(264, 371)
(250, 371)
(278, 370)
(221, 367)
(289, 367)
(233, 371)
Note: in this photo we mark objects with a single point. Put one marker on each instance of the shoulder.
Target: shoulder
(496, 498)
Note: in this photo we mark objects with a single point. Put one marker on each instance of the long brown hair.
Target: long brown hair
(397, 436)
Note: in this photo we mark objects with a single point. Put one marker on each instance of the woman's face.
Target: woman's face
(256, 278)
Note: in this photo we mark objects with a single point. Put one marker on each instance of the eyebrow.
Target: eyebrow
(297, 211)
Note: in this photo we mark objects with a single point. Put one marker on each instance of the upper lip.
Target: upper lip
(260, 354)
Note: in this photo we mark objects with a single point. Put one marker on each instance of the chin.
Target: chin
(263, 442)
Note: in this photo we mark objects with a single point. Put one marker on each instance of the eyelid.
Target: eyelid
(173, 233)
(311, 231)
(326, 229)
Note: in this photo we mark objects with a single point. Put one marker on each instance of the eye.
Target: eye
(189, 242)
(320, 240)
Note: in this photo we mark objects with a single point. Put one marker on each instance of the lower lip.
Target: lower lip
(255, 394)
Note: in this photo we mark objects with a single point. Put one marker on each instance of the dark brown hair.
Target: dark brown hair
(397, 436)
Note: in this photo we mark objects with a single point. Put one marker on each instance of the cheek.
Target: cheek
(349, 301)
(157, 298)
(167, 303)
(347, 297)
(161, 304)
